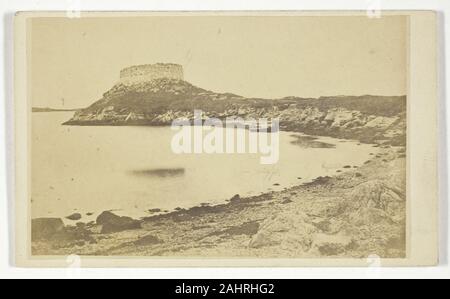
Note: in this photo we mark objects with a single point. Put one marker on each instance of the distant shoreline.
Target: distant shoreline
(47, 109)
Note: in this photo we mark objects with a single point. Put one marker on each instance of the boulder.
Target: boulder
(74, 217)
(45, 228)
(112, 223)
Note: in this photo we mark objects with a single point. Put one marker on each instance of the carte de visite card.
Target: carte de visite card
(157, 139)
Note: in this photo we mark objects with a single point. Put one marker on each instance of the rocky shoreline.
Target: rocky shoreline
(352, 214)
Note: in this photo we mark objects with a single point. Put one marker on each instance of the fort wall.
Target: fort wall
(148, 72)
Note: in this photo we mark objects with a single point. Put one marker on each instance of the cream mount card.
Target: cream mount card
(157, 139)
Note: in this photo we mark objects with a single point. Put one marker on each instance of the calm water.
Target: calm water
(132, 169)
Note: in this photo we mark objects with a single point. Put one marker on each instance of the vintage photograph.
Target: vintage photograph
(293, 142)
(222, 136)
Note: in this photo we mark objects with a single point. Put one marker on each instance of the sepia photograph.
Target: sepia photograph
(243, 136)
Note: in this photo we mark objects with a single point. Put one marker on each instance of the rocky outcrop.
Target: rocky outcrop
(370, 219)
(295, 232)
(379, 195)
(161, 100)
(74, 217)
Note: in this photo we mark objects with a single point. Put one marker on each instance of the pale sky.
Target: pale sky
(269, 57)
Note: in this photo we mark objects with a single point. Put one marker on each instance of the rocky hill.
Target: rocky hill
(375, 119)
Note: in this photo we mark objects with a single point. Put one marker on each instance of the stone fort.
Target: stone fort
(148, 72)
